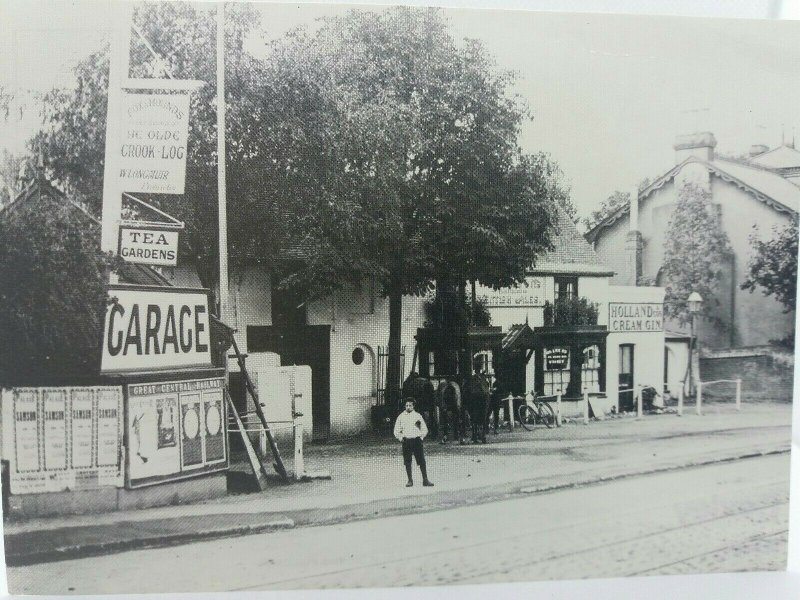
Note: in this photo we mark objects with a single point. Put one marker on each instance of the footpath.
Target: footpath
(368, 479)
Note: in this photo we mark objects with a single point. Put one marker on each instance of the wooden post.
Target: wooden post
(221, 185)
(738, 394)
(699, 397)
(586, 407)
(680, 400)
(510, 410)
(558, 410)
(639, 411)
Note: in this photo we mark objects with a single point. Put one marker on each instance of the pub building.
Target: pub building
(566, 330)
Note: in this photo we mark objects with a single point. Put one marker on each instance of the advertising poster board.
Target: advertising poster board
(152, 155)
(64, 438)
(531, 293)
(150, 328)
(176, 429)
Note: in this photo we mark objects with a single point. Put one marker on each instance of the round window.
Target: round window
(358, 356)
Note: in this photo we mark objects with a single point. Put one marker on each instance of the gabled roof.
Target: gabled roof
(782, 157)
(571, 252)
(39, 190)
(764, 184)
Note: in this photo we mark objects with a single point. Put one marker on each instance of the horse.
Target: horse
(451, 409)
(421, 389)
(476, 402)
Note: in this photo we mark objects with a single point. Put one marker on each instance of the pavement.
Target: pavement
(368, 480)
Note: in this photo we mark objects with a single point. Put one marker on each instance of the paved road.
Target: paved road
(723, 518)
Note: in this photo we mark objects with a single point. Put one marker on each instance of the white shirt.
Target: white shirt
(406, 426)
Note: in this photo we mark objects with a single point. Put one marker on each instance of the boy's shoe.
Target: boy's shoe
(411, 483)
(427, 483)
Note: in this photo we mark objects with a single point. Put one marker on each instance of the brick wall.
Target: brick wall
(764, 378)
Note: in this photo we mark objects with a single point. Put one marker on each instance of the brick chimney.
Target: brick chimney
(700, 145)
(633, 241)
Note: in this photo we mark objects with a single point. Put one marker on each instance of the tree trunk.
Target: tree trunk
(393, 374)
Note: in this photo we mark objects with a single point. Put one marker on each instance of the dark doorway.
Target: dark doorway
(626, 365)
(302, 345)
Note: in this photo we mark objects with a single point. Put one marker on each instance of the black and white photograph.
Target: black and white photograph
(328, 296)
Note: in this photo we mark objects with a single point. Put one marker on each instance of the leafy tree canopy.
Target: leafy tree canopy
(610, 205)
(773, 265)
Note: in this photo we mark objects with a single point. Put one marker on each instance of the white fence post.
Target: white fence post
(585, 407)
(738, 394)
(699, 397)
(510, 410)
(639, 403)
(558, 410)
(297, 425)
(680, 401)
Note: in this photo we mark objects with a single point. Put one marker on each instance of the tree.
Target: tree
(773, 265)
(10, 165)
(695, 250)
(394, 152)
(184, 35)
(54, 294)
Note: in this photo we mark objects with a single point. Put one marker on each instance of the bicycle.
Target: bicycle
(536, 411)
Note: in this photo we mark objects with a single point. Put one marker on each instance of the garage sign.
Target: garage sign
(155, 329)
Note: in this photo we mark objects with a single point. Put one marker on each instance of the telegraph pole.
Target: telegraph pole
(223, 204)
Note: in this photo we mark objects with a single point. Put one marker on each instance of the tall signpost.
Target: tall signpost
(221, 190)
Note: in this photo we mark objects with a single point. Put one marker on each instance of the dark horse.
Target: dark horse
(421, 389)
(476, 402)
(451, 410)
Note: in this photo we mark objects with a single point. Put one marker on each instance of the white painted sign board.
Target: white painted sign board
(155, 329)
(148, 246)
(153, 145)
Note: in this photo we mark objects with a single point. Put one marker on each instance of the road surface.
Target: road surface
(721, 518)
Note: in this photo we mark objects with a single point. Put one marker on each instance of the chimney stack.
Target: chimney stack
(633, 240)
(700, 145)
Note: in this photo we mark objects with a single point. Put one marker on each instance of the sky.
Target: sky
(609, 93)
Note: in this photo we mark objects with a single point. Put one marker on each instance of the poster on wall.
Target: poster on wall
(176, 429)
(64, 438)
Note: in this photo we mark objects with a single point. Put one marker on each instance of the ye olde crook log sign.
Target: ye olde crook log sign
(153, 149)
(155, 329)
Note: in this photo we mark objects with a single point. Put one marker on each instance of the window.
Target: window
(288, 307)
(358, 355)
(590, 370)
(556, 371)
(565, 288)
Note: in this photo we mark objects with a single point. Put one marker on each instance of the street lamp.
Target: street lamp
(695, 303)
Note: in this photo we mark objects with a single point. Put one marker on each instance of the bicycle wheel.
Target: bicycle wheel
(527, 417)
(546, 415)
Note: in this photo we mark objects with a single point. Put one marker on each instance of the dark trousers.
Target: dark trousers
(413, 447)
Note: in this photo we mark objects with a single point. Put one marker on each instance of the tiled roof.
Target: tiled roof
(764, 184)
(130, 273)
(571, 252)
(781, 157)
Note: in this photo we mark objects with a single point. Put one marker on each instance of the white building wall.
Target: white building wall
(358, 317)
(648, 349)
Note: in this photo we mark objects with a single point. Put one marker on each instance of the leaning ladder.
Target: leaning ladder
(278, 464)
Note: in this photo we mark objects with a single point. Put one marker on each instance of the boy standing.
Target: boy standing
(410, 429)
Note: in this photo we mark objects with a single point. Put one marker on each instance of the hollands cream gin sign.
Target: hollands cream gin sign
(153, 150)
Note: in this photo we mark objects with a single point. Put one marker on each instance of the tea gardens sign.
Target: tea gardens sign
(148, 246)
(635, 317)
(155, 329)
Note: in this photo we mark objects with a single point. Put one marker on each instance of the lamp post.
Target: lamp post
(695, 302)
